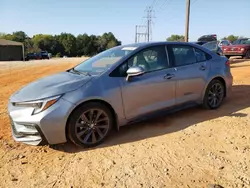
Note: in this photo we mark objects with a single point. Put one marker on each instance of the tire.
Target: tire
(81, 129)
(247, 55)
(228, 56)
(215, 89)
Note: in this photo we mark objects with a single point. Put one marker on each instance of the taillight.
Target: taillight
(228, 63)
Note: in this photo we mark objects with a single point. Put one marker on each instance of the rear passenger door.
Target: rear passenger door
(191, 72)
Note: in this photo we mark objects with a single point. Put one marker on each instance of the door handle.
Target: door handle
(169, 76)
(202, 67)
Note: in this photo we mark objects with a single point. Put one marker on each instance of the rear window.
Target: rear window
(200, 55)
(210, 45)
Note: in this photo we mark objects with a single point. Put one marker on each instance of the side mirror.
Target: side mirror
(134, 71)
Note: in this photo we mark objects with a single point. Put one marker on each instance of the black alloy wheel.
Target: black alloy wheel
(90, 124)
(215, 94)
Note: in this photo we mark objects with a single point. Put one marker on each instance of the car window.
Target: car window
(210, 45)
(245, 41)
(150, 59)
(182, 55)
(225, 43)
(200, 55)
(236, 42)
(104, 60)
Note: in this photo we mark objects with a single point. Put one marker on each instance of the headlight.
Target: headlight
(39, 105)
(242, 49)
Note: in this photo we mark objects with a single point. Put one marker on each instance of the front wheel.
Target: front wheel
(90, 124)
(214, 95)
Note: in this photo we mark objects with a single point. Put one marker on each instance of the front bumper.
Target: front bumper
(47, 127)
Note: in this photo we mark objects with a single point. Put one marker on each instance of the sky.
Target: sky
(221, 17)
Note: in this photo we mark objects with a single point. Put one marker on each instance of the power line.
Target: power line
(153, 3)
(193, 2)
(163, 6)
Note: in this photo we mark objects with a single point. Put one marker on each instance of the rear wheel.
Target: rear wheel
(214, 95)
(247, 56)
(90, 124)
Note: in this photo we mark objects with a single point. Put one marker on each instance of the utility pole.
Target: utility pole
(136, 33)
(187, 20)
(149, 22)
(147, 33)
(148, 30)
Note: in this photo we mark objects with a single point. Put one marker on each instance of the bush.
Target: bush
(58, 54)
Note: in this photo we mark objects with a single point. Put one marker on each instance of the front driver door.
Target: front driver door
(152, 91)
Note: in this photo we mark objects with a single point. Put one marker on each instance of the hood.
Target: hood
(50, 86)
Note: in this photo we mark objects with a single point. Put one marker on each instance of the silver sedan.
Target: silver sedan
(122, 85)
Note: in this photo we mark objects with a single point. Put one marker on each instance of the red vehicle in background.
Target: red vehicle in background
(240, 47)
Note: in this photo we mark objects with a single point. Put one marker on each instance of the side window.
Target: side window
(150, 59)
(182, 55)
(200, 55)
(225, 43)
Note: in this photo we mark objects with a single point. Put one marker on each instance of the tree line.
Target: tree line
(181, 38)
(64, 43)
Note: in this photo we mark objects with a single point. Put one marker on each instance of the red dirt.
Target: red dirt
(191, 148)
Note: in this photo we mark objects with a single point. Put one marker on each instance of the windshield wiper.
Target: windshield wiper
(79, 72)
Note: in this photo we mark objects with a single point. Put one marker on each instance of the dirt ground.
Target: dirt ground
(191, 148)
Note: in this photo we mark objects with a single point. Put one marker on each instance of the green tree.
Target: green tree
(68, 41)
(65, 43)
(92, 45)
(45, 42)
(231, 38)
(6, 36)
(111, 44)
(105, 39)
(29, 46)
(179, 38)
(59, 47)
(19, 36)
(82, 44)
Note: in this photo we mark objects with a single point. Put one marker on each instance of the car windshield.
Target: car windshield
(104, 60)
(224, 42)
(245, 41)
(241, 41)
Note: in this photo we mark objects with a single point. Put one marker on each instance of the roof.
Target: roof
(144, 44)
(4, 42)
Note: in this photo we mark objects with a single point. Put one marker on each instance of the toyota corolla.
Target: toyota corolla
(122, 85)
